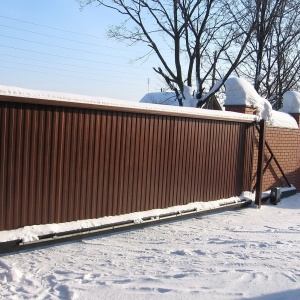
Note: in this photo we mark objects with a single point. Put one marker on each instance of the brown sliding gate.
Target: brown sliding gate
(72, 161)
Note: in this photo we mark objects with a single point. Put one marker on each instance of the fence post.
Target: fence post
(261, 153)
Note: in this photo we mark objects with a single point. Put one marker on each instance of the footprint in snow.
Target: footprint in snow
(179, 252)
(161, 290)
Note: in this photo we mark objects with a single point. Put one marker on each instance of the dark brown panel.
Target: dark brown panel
(160, 164)
(140, 187)
(95, 188)
(145, 163)
(18, 167)
(3, 163)
(71, 150)
(110, 174)
(127, 167)
(25, 171)
(90, 165)
(135, 152)
(64, 166)
(131, 205)
(10, 167)
(47, 167)
(78, 162)
(40, 166)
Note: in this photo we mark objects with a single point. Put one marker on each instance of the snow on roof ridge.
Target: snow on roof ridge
(55, 96)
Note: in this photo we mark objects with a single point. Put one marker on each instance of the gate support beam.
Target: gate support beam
(261, 153)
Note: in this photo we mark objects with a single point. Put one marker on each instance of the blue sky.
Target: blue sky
(52, 45)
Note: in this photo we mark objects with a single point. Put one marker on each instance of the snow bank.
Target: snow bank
(241, 92)
(31, 233)
(291, 102)
(114, 103)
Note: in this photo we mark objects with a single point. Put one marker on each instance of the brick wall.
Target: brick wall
(285, 144)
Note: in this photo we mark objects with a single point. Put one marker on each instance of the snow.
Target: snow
(241, 92)
(32, 233)
(169, 98)
(163, 98)
(282, 119)
(291, 102)
(116, 103)
(47, 95)
(244, 254)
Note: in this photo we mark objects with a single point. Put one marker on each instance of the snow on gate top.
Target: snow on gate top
(238, 92)
(115, 103)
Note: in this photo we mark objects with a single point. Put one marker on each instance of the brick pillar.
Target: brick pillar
(296, 116)
(243, 109)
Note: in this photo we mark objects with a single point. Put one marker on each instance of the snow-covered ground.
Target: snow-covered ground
(245, 254)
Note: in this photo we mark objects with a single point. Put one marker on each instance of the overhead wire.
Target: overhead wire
(61, 47)
(65, 39)
(57, 74)
(59, 69)
(64, 56)
(63, 30)
(64, 64)
(68, 57)
(50, 27)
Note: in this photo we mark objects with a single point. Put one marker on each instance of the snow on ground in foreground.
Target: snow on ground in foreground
(246, 254)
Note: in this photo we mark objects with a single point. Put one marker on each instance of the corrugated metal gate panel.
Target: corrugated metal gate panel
(62, 164)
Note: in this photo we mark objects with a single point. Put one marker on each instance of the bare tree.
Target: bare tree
(274, 49)
(207, 39)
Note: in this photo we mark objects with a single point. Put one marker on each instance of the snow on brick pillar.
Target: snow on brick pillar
(243, 109)
(291, 105)
(241, 97)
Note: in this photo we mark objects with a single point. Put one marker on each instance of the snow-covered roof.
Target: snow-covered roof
(108, 103)
(169, 98)
(241, 92)
(164, 98)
